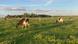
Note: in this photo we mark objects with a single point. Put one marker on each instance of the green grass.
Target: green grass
(40, 31)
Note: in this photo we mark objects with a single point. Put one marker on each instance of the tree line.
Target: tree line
(27, 15)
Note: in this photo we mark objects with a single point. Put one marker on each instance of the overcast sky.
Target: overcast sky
(20, 6)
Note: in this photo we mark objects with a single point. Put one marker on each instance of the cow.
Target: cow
(60, 20)
(23, 23)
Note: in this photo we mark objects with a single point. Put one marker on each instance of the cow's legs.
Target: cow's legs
(17, 25)
(24, 26)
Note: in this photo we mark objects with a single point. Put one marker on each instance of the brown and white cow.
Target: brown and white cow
(60, 20)
(23, 23)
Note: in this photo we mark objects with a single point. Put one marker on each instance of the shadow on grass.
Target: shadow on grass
(47, 27)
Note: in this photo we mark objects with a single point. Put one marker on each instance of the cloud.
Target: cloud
(33, 3)
(45, 3)
(48, 2)
(7, 8)
(15, 9)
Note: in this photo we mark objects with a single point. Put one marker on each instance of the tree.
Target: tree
(26, 15)
(33, 15)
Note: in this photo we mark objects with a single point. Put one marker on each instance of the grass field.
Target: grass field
(40, 31)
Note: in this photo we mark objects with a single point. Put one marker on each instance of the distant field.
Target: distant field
(40, 31)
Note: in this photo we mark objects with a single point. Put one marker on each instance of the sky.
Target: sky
(21, 6)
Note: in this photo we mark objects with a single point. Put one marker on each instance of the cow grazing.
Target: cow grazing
(23, 23)
(60, 20)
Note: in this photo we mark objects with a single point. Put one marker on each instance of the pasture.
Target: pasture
(40, 31)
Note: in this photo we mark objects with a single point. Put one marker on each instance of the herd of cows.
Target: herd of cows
(24, 22)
